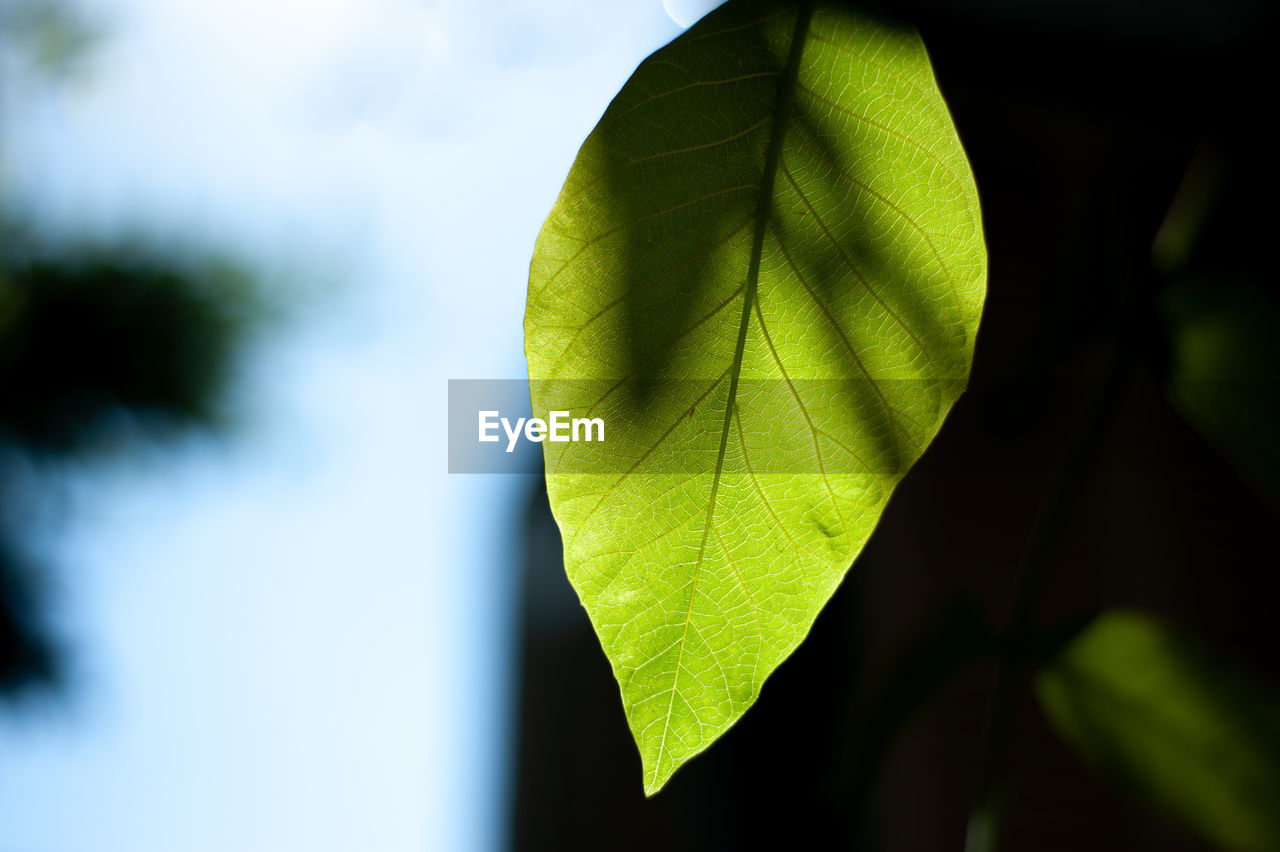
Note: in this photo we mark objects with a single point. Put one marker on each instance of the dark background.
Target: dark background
(1083, 122)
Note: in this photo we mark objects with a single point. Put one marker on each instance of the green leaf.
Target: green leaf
(1162, 717)
(765, 274)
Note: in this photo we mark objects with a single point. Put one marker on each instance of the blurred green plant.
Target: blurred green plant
(87, 332)
(1223, 354)
(100, 343)
(1182, 730)
(1224, 371)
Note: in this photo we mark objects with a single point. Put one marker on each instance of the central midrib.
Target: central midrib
(763, 215)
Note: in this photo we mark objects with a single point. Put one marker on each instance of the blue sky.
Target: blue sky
(386, 164)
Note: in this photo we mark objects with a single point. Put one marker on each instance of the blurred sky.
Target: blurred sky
(297, 637)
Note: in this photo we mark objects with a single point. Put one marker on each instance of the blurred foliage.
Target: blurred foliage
(86, 332)
(49, 39)
(1219, 308)
(1177, 726)
(99, 343)
(1224, 369)
(93, 339)
(28, 655)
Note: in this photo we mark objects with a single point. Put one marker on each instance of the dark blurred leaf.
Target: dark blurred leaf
(1162, 717)
(84, 336)
(92, 338)
(1225, 371)
(28, 656)
(955, 639)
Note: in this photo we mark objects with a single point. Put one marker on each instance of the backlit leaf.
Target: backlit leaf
(764, 274)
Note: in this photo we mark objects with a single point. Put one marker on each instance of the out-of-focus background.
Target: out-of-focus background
(243, 247)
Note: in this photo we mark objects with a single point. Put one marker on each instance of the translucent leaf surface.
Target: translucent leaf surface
(764, 274)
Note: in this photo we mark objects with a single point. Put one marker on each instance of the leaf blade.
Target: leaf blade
(740, 487)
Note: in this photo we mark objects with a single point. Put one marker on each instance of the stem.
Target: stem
(983, 831)
(1169, 253)
(984, 824)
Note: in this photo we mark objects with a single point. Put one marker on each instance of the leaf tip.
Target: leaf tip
(655, 779)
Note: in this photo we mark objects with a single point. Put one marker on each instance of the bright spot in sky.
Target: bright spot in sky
(685, 12)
